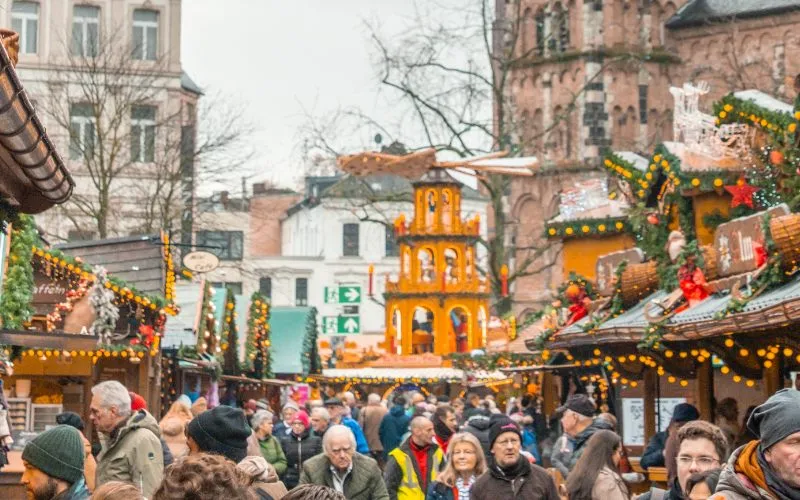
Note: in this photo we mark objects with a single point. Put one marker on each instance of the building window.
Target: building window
(540, 35)
(145, 34)
(265, 287)
(143, 134)
(227, 245)
(350, 240)
(25, 21)
(85, 30)
(82, 131)
(392, 250)
(560, 31)
(643, 104)
(235, 286)
(301, 292)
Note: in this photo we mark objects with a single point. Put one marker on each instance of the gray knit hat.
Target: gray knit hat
(58, 452)
(777, 418)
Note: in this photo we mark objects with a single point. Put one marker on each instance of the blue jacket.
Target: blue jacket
(361, 440)
(393, 426)
(439, 491)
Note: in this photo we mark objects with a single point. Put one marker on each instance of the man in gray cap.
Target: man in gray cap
(579, 424)
(769, 467)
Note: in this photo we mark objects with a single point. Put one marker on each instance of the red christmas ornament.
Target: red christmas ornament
(742, 193)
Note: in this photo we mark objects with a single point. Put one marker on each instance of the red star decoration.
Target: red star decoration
(742, 193)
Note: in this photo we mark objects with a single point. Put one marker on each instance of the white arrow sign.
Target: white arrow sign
(351, 325)
(352, 294)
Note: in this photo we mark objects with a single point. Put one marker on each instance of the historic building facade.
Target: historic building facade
(76, 61)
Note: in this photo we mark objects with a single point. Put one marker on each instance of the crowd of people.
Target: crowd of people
(414, 448)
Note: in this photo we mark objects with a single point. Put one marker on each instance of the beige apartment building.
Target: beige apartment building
(597, 75)
(106, 77)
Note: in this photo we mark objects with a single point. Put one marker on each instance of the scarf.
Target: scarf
(463, 489)
(442, 431)
(521, 468)
(775, 484)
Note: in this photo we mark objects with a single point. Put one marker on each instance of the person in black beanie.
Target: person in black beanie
(223, 431)
(510, 475)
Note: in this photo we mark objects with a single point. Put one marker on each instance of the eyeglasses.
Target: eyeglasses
(686, 460)
(339, 451)
(509, 442)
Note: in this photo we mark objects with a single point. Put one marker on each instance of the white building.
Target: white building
(134, 43)
(328, 240)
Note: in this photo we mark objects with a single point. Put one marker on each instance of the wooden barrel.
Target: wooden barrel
(638, 281)
(710, 258)
(786, 235)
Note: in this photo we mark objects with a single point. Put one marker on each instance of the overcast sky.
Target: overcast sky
(284, 59)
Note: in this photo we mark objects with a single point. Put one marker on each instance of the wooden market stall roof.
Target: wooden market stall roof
(33, 176)
(776, 308)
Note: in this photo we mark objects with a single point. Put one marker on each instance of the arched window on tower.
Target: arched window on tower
(560, 28)
(540, 33)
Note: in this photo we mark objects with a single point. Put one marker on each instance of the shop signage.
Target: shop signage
(47, 293)
(740, 243)
(200, 261)
(607, 266)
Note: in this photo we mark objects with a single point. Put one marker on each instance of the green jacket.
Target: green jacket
(365, 481)
(132, 453)
(272, 452)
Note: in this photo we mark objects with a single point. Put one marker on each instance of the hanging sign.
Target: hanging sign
(200, 261)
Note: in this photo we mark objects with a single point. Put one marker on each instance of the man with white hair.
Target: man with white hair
(355, 476)
(320, 421)
(371, 417)
(131, 440)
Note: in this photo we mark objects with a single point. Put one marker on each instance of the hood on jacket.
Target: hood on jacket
(139, 420)
(480, 423)
(397, 411)
(596, 425)
(743, 475)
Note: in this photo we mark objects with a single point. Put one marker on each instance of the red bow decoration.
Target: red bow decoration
(146, 334)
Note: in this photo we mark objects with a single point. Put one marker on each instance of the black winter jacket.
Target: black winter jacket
(298, 449)
(479, 426)
(653, 455)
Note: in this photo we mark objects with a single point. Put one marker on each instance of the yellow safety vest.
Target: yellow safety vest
(410, 488)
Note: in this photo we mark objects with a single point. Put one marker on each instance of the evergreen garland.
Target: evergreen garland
(258, 354)
(16, 302)
(207, 337)
(230, 335)
(312, 364)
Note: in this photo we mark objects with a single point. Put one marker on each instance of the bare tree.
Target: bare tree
(451, 73)
(132, 134)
